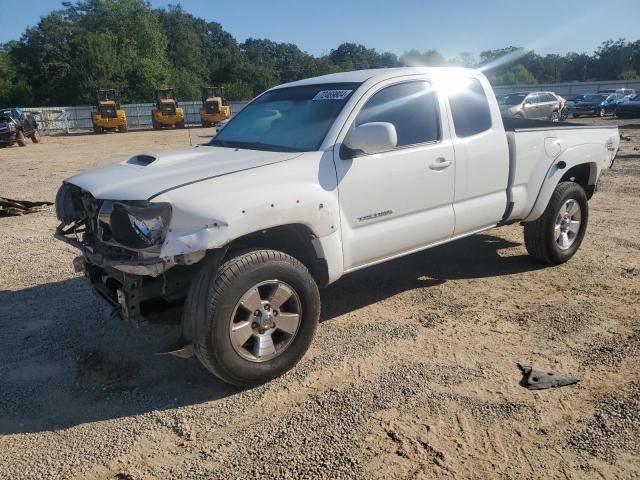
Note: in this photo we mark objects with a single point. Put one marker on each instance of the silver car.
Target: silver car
(538, 105)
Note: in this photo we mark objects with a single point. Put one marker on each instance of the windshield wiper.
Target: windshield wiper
(253, 146)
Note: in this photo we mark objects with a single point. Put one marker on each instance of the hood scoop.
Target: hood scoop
(141, 160)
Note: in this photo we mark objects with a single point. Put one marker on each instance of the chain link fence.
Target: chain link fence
(570, 88)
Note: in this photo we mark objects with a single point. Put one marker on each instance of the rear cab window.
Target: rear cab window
(470, 109)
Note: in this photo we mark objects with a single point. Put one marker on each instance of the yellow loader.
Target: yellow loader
(108, 114)
(214, 107)
(167, 112)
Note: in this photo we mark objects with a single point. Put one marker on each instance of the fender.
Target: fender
(573, 156)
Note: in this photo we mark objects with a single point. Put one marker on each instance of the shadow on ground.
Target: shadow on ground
(64, 361)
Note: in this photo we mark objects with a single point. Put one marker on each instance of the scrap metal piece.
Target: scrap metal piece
(537, 379)
(9, 207)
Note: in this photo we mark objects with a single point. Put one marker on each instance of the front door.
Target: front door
(400, 200)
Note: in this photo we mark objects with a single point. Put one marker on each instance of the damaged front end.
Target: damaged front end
(120, 243)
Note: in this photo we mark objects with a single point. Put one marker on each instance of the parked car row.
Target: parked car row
(623, 102)
(605, 102)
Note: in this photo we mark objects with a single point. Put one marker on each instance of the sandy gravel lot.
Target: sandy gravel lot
(412, 374)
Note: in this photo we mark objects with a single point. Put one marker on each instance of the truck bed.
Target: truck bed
(535, 145)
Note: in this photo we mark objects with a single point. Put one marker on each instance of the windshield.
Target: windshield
(513, 99)
(292, 119)
(595, 98)
(105, 95)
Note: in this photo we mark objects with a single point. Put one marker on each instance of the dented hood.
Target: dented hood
(146, 175)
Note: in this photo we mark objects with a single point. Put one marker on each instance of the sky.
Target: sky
(449, 26)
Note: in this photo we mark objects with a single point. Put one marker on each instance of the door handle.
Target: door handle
(440, 164)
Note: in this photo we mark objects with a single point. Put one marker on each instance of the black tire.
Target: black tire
(20, 138)
(555, 116)
(601, 112)
(98, 130)
(180, 124)
(539, 236)
(156, 125)
(35, 137)
(124, 128)
(212, 299)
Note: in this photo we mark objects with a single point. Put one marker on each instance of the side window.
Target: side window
(411, 107)
(470, 109)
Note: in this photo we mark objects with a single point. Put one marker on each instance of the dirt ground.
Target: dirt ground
(412, 373)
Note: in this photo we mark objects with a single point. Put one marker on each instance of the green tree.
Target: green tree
(430, 58)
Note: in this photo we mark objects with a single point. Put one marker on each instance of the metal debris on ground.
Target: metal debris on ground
(9, 207)
(538, 379)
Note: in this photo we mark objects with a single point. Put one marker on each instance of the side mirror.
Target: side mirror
(373, 137)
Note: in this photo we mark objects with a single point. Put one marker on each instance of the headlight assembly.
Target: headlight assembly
(134, 225)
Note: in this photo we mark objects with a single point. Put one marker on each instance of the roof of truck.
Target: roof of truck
(361, 76)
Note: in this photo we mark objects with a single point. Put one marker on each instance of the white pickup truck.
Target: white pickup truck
(313, 180)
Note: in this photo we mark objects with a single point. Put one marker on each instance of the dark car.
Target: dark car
(631, 108)
(16, 126)
(594, 104)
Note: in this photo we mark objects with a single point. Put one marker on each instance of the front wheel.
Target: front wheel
(556, 236)
(260, 310)
(20, 139)
(35, 136)
(555, 117)
(601, 112)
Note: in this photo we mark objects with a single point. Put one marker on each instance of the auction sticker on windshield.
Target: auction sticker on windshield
(332, 94)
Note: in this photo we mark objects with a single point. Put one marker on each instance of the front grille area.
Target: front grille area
(168, 108)
(213, 107)
(108, 111)
(79, 213)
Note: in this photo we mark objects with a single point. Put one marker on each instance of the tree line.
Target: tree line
(134, 48)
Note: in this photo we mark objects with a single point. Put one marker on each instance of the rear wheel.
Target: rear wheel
(98, 130)
(556, 236)
(35, 136)
(180, 124)
(156, 125)
(261, 311)
(20, 139)
(123, 128)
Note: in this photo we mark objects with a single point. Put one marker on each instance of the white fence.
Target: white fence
(571, 87)
(64, 119)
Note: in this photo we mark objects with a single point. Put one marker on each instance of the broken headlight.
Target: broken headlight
(134, 225)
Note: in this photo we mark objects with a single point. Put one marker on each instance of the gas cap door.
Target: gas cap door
(552, 147)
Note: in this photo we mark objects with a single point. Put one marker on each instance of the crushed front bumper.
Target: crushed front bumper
(134, 296)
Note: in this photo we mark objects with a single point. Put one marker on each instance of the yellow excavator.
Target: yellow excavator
(108, 114)
(167, 112)
(214, 107)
